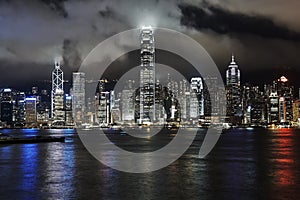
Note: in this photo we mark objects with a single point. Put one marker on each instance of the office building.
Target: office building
(233, 92)
(6, 107)
(57, 89)
(147, 77)
(78, 95)
(31, 112)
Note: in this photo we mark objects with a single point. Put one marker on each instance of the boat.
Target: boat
(6, 139)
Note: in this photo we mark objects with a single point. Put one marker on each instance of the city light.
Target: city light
(182, 103)
(283, 79)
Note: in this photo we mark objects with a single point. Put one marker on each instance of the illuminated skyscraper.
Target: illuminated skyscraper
(286, 94)
(58, 107)
(31, 112)
(196, 99)
(183, 100)
(233, 89)
(57, 85)
(78, 94)
(147, 77)
(128, 101)
(296, 110)
(6, 107)
(273, 108)
(68, 110)
(102, 98)
(19, 117)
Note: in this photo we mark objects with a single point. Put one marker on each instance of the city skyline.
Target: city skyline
(175, 101)
(45, 84)
(150, 99)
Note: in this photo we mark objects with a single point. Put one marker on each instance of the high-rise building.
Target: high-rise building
(296, 110)
(253, 105)
(286, 94)
(282, 110)
(183, 99)
(31, 112)
(58, 118)
(273, 110)
(233, 90)
(102, 98)
(57, 86)
(147, 77)
(196, 98)
(43, 108)
(127, 102)
(213, 92)
(6, 107)
(78, 95)
(19, 116)
(104, 109)
(68, 110)
(115, 107)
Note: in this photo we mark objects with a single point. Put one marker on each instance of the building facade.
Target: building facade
(233, 92)
(57, 88)
(147, 77)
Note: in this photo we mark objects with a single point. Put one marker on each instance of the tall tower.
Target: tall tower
(78, 93)
(147, 77)
(57, 85)
(233, 86)
(6, 106)
(286, 97)
(196, 100)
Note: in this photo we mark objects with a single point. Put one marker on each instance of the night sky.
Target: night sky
(263, 35)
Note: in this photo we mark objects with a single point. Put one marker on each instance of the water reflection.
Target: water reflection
(29, 166)
(244, 165)
(59, 169)
(283, 158)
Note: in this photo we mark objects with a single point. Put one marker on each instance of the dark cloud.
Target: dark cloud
(34, 33)
(106, 13)
(223, 21)
(57, 6)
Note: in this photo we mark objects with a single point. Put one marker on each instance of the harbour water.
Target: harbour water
(245, 164)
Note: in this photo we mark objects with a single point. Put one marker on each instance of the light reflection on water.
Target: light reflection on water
(284, 162)
(256, 164)
(29, 166)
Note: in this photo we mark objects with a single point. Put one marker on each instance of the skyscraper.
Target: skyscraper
(19, 117)
(78, 95)
(233, 90)
(68, 110)
(102, 101)
(273, 108)
(128, 102)
(57, 85)
(196, 99)
(184, 90)
(58, 118)
(286, 94)
(31, 112)
(57, 96)
(6, 107)
(147, 77)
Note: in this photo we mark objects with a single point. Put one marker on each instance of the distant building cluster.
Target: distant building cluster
(275, 105)
(177, 103)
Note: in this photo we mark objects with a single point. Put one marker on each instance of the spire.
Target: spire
(232, 60)
(57, 64)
